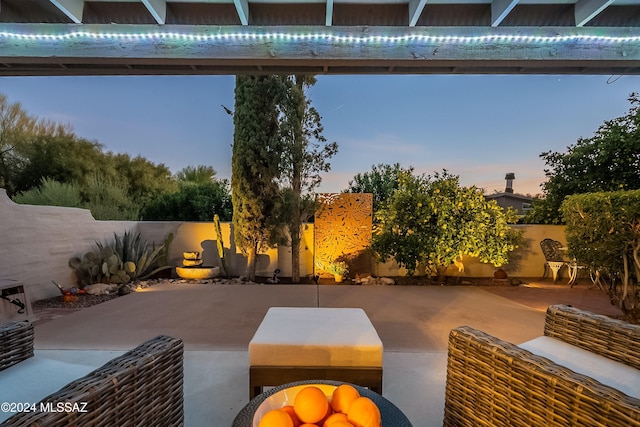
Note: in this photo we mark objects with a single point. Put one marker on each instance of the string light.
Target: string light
(321, 37)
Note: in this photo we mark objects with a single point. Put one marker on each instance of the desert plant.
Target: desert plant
(337, 268)
(51, 193)
(122, 260)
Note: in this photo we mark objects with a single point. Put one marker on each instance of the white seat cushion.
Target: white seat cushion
(46, 372)
(613, 374)
(291, 336)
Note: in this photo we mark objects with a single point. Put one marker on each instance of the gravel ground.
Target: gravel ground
(82, 302)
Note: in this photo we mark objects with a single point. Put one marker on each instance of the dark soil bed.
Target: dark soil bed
(81, 302)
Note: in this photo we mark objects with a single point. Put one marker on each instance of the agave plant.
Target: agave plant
(126, 258)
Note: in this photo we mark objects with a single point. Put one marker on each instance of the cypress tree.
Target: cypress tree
(255, 163)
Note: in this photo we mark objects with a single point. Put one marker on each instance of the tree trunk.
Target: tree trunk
(295, 249)
(252, 256)
(296, 186)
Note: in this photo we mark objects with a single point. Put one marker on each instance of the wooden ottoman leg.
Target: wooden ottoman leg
(254, 389)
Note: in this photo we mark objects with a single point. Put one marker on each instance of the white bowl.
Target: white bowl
(286, 397)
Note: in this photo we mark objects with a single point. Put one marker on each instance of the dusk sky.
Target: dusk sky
(477, 127)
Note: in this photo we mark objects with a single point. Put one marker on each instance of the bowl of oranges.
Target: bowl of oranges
(317, 405)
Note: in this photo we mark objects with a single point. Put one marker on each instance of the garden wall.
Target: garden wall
(526, 261)
(38, 241)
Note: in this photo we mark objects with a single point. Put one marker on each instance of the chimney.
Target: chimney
(510, 177)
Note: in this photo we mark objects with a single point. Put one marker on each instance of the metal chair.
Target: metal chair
(554, 257)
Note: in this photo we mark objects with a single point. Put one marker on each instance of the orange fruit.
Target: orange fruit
(364, 413)
(289, 410)
(326, 415)
(334, 418)
(341, 424)
(342, 397)
(275, 418)
(311, 405)
(308, 425)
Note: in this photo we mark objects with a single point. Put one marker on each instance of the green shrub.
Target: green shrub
(434, 222)
(603, 232)
(51, 193)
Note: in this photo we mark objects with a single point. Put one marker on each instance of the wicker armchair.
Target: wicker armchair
(16, 343)
(143, 387)
(493, 382)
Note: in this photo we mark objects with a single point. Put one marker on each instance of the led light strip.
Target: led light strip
(86, 35)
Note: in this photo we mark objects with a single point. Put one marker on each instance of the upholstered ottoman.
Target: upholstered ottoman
(296, 344)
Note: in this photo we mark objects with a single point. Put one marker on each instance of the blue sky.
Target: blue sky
(477, 127)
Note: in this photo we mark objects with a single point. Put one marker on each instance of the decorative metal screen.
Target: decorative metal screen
(343, 229)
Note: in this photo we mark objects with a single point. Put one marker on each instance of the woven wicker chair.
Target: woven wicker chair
(143, 387)
(16, 343)
(493, 382)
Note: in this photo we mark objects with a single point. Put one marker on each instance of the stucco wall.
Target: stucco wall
(526, 261)
(38, 241)
(201, 237)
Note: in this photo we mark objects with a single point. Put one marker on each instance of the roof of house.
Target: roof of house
(508, 195)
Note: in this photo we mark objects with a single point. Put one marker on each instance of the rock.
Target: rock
(100, 289)
(387, 281)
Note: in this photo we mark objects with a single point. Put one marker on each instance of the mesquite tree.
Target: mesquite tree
(305, 154)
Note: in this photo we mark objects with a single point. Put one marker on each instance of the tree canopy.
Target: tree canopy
(41, 161)
(603, 233)
(305, 154)
(432, 221)
(381, 181)
(255, 162)
(608, 161)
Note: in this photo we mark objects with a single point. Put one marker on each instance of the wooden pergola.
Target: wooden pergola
(138, 37)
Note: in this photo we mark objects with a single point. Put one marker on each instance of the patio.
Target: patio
(216, 323)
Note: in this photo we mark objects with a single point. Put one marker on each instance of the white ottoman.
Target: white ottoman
(295, 344)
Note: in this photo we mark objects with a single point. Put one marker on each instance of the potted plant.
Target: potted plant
(338, 269)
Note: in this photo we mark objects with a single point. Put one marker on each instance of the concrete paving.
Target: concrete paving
(216, 323)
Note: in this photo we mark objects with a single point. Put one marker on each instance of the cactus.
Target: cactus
(220, 243)
(106, 252)
(126, 259)
(95, 270)
(129, 267)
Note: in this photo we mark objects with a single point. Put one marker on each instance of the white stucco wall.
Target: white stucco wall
(37, 242)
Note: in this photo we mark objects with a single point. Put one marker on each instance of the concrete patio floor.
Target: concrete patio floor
(216, 323)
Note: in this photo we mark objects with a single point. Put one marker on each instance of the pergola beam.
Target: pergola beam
(174, 49)
(242, 7)
(500, 9)
(329, 13)
(415, 10)
(72, 8)
(157, 9)
(586, 10)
